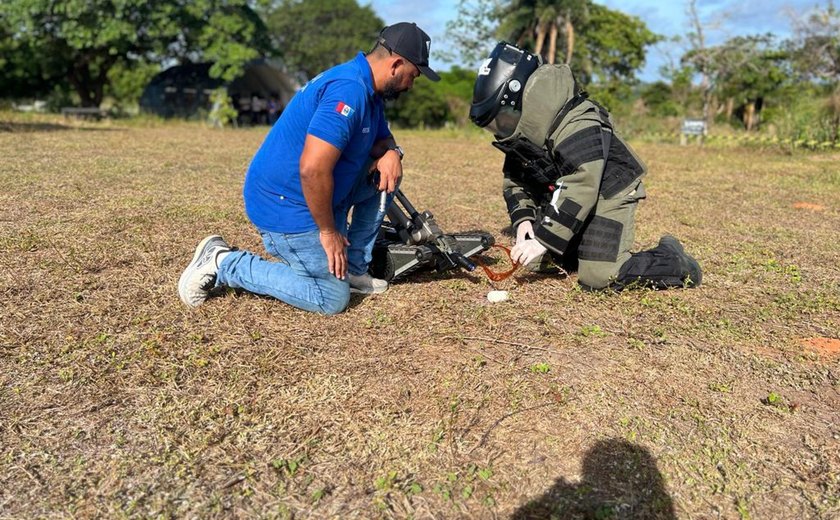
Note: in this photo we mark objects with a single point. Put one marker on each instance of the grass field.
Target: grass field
(427, 401)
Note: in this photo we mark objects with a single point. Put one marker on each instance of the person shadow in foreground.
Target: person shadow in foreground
(620, 480)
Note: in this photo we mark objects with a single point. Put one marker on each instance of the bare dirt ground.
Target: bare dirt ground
(427, 401)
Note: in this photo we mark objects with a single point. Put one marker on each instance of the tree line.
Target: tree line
(745, 82)
(84, 51)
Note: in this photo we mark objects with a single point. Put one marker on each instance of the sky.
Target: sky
(724, 19)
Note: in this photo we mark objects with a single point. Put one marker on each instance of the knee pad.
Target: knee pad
(593, 279)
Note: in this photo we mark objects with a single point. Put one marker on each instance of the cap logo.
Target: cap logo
(484, 70)
(428, 46)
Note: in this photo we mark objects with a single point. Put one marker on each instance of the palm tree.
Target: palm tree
(530, 21)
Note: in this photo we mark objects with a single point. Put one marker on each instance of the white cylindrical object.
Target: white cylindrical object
(497, 296)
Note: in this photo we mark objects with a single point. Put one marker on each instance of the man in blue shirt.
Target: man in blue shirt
(314, 167)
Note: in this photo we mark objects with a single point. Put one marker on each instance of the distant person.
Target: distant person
(243, 109)
(571, 184)
(312, 168)
(258, 108)
(273, 109)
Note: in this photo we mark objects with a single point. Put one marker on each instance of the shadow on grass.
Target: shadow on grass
(619, 480)
(29, 127)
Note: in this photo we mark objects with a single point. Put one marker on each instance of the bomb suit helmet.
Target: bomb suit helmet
(497, 95)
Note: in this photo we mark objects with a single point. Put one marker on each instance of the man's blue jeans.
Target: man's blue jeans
(302, 276)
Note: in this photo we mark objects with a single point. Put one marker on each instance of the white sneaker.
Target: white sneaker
(366, 284)
(200, 275)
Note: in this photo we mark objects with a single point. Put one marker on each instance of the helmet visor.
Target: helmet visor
(504, 123)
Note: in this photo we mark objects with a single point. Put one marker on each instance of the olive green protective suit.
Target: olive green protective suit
(583, 192)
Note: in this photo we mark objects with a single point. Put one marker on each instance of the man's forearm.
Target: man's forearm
(382, 146)
(317, 187)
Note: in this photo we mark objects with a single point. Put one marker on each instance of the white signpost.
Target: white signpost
(693, 127)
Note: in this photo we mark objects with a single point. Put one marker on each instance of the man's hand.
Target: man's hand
(335, 246)
(524, 231)
(526, 251)
(390, 170)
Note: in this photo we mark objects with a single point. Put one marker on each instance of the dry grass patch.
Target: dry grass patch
(426, 401)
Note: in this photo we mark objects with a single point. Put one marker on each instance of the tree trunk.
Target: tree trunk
(749, 115)
(699, 44)
(523, 37)
(552, 42)
(707, 98)
(540, 38)
(570, 38)
(730, 107)
(719, 108)
(79, 78)
(90, 85)
(834, 111)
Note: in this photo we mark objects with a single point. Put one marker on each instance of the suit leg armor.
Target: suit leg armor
(607, 237)
(604, 251)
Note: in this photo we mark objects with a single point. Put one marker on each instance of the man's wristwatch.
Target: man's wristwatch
(397, 148)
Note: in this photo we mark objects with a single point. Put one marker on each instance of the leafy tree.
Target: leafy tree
(614, 47)
(801, 112)
(610, 46)
(699, 56)
(420, 107)
(472, 33)
(749, 69)
(658, 98)
(815, 52)
(431, 104)
(816, 45)
(456, 88)
(680, 78)
(20, 66)
(744, 67)
(77, 43)
(127, 79)
(313, 35)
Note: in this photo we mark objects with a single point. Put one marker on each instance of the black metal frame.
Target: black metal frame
(410, 240)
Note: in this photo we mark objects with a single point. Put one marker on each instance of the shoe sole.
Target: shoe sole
(353, 290)
(198, 250)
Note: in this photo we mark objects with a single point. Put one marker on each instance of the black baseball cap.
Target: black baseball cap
(410, 42)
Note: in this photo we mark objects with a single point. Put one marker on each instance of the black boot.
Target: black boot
(666, 265)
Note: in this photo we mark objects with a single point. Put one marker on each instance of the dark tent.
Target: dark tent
(185, 90)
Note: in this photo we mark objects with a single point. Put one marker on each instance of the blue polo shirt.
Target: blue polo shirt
(338, 106)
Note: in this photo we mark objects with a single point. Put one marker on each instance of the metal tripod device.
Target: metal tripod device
(409, 240)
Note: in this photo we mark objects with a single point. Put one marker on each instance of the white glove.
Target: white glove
(526, 251)
(524, 230)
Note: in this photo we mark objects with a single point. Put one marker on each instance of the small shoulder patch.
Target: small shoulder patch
(344, 109)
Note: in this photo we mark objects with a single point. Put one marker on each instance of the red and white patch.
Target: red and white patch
(344, 109)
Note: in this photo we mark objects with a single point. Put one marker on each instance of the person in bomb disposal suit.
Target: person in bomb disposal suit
(312, 168)
(571, 184)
